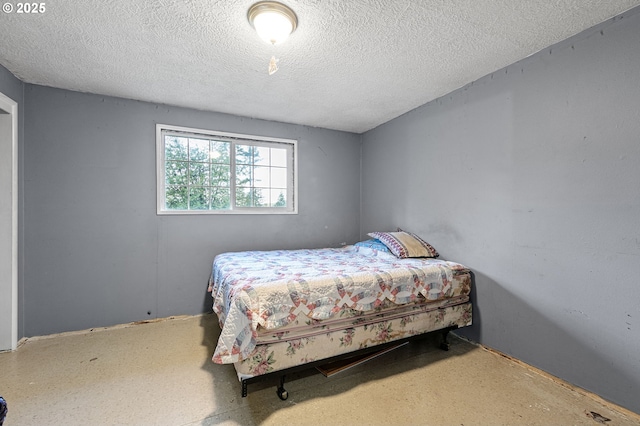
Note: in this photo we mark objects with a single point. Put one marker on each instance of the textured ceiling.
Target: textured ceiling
(351, 65)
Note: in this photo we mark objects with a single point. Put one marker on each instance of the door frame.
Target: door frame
(9, 287)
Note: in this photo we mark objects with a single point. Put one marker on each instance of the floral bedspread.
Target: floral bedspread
(272, 288)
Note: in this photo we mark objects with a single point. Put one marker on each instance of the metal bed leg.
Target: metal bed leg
(445, 345)
(281, 391)
(244, 388)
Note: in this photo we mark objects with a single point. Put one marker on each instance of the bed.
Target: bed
(285, 310)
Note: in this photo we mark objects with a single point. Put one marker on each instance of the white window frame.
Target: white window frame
(292, 187)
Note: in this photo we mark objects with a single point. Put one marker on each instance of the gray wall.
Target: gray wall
(95, 251)
(531, 177)
(14, 88)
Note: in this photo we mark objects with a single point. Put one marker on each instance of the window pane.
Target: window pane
(220, 152)
(220, 198)
(278, 157)
(176, 198)
(199, 150)
(260, 197)
(279, 198)
(261, 177)
(261, 155)
(176, 172)
(199, 198)
(220, 175)
(244, 176)
(175, 148)
(244, 154)
(199, 174)
(278, 177)
(243, 197)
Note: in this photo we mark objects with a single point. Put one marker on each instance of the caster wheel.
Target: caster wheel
(282, 393)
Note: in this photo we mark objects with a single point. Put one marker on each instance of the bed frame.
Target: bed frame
(283, 394)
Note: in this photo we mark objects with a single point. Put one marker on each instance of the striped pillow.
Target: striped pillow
(405, 244)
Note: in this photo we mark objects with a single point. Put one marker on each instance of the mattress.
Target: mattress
(305, 327)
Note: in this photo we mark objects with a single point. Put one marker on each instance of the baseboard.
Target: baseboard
(111, 327)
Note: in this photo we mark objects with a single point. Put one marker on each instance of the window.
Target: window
(207, 172)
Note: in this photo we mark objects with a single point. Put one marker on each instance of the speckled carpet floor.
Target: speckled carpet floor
(160, 373)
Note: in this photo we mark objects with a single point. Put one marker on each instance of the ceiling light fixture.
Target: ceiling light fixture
(273, 21)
